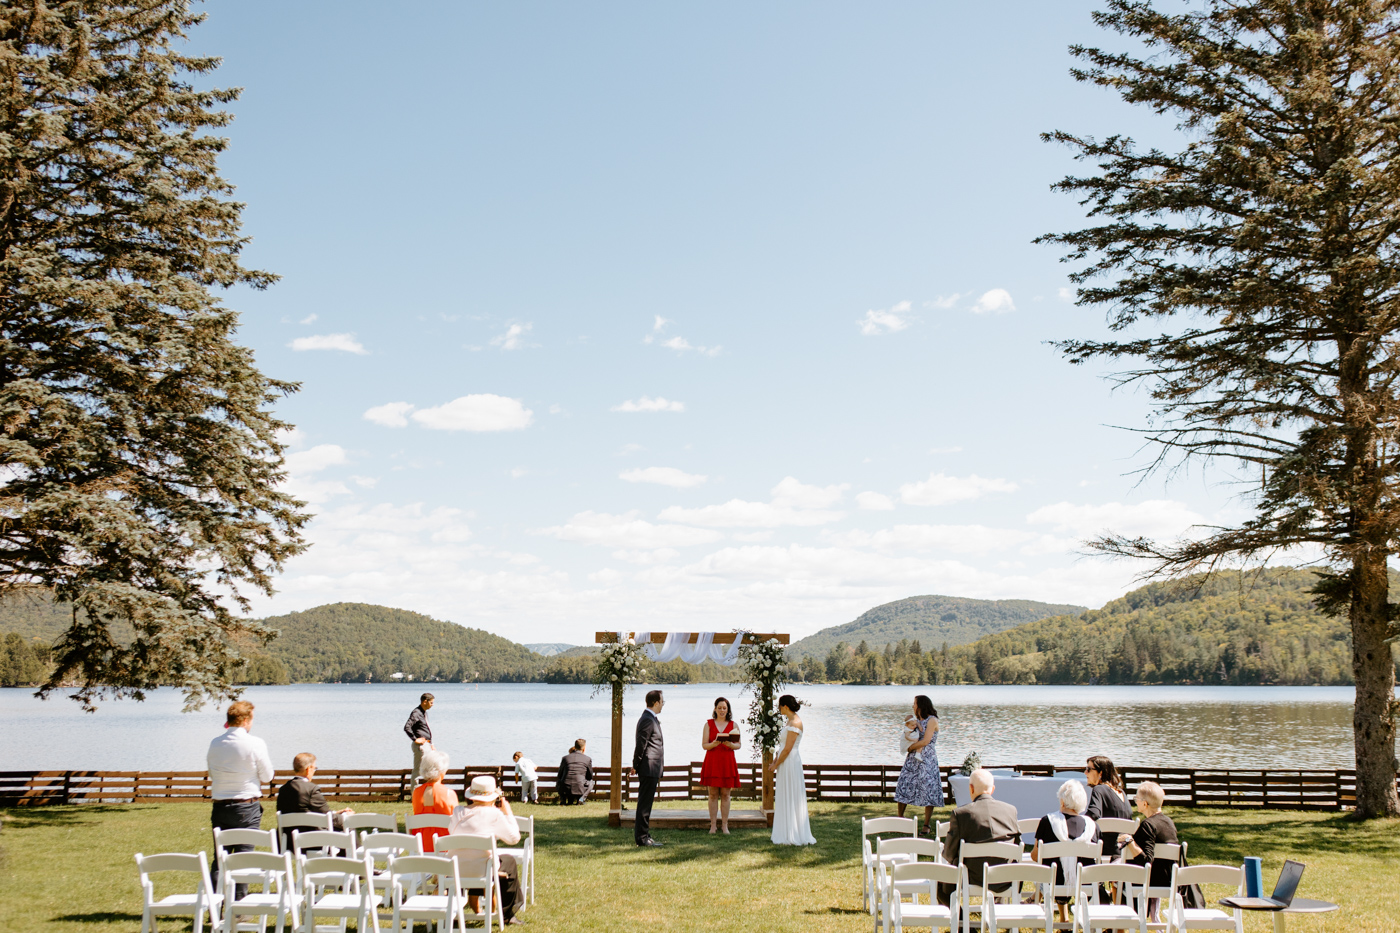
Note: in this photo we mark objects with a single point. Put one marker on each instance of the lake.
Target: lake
(361, 725)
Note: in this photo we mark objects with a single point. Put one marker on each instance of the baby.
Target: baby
(911, 735)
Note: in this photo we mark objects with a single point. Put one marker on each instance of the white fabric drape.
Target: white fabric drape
(677, 645)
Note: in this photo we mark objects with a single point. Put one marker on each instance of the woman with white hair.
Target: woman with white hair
(1068, 824)
(432, 796)
(1155, 828)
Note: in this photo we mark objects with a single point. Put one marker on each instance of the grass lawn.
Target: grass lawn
(71, 868)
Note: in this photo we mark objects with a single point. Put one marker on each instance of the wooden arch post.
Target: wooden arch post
(657, 638)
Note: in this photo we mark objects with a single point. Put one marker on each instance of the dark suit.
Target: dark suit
(986, 819)
(575, 777)
(299, 795)
(648, 760)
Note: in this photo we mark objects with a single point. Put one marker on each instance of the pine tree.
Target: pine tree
(1253, 283)
(139, 454)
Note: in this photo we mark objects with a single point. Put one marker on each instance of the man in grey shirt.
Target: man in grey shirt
(419, 733)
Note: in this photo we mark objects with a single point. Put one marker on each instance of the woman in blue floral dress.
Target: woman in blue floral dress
(920, 781)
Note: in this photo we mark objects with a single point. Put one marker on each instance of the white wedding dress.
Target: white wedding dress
(790, 826)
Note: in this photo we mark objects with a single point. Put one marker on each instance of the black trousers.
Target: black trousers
(234, 814)
(646, 793)
(512, 894)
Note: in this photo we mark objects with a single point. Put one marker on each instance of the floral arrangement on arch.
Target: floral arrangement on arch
(762, 666)
(618, 663)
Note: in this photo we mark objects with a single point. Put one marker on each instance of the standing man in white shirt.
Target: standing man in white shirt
(238, 767)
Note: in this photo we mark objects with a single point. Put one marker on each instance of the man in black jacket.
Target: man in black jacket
(575, 778)
(648, 760)
(419, 732)
(299, 795)
(984, 819)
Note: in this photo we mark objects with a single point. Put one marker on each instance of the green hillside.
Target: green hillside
(929, 620)
(358, 641)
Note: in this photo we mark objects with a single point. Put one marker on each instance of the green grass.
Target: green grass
(71, 868)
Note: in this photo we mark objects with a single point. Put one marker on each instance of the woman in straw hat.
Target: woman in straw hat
(487, 813)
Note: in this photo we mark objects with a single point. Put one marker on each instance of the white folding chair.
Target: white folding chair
(384, 847)
(447, 908)
(1089, 915)
(920, 879)
(1180, 917)
(872, 826)
(897, 850)
(524, 855)
(1111, 827)
(1068, 855)
(412, 822)
(940, 830)
(225, 838)
(302, 842)
(278, 897)
(355, 898)
(997, 851)
(288, 823)
(478, 865)
(194, 906)
(361, 823)
(1163, 852)
(1038, 913)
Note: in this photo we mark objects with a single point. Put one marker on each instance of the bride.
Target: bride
(790, 827)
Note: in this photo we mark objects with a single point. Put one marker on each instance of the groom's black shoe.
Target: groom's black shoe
(650, 842)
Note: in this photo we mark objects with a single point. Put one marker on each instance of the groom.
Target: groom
(647, 757)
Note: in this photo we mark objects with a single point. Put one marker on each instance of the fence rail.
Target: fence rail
(1184, 787)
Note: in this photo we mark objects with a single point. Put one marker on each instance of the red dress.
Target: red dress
(719, 769)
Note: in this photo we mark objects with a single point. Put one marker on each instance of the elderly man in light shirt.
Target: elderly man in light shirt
(238, 767)
(487, 813)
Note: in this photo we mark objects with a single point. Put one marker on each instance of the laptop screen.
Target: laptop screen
(1288, 881)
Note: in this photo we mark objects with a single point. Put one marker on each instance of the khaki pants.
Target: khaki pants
(417, 764)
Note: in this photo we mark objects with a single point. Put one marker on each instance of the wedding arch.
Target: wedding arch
(620, 665)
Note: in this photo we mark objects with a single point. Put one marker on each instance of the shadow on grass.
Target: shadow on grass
(71, 815)
(107, 916)
(1217, 836)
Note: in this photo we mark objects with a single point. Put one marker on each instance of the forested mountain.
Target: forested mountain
(1256, 628)
(929, 620)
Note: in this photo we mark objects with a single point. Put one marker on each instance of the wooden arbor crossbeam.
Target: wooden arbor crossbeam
(658, 638)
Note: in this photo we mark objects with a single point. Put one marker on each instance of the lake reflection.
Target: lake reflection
(355, 725)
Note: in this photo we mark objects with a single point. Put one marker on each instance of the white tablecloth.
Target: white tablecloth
(1031, 796)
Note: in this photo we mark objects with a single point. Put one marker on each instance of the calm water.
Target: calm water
(350, 725)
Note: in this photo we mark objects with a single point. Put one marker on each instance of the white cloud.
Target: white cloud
(1153, 518)
(628, 531)
(661, 555)
(390, 415)
(649, 404)
(309, 319)
(1066, 294)
(877, 322)
(945, 450)
(628, 449)
(940, 489)
(477, 413)
(874, 501)
(302, 466)
(663, 476)
(789, 493)
(996, 301)
(943, 302)
(513, 338)
(958, 539)
(345, 342)
(736, 513)
(679, 344)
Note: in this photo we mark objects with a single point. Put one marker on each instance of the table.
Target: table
(1031, 796)
(1300, 905)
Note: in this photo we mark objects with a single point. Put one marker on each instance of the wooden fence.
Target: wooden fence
(1185, 787)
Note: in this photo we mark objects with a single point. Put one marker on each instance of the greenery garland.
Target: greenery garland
(762, 667)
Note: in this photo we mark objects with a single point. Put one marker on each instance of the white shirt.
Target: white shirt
(484, 821)
(525, 769)
(238, 765)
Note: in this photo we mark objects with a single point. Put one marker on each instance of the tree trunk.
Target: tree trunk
(1373, 716)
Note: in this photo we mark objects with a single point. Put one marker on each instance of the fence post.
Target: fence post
(67, 784)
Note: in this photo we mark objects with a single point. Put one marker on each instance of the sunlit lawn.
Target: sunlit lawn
(71, 868)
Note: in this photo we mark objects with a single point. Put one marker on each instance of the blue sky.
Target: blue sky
(678, 316)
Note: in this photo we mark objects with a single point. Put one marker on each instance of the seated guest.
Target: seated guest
(488, 813)
(983, 820)
(574, 781)
(1068, 825)
(1156, 828)
(431, 796)
(299, 795)
(1106, 798)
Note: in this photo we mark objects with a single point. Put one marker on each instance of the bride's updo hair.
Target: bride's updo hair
(790, 701)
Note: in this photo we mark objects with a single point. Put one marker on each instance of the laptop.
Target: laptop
(1283, 891)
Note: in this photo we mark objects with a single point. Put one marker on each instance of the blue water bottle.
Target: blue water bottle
(1253, 877)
